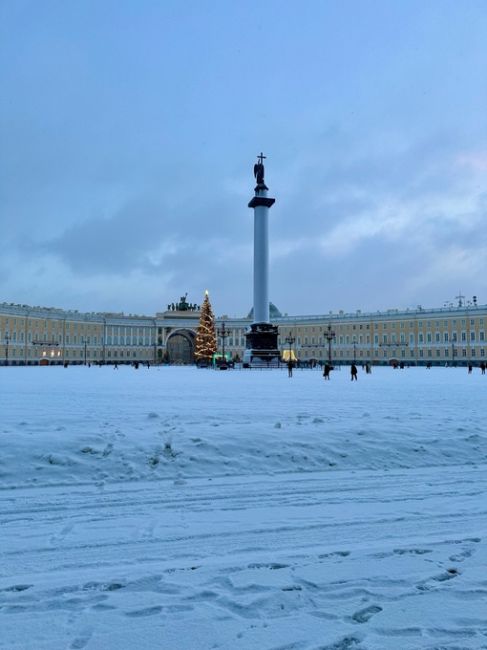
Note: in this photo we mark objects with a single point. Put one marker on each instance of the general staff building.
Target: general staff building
(34, 335)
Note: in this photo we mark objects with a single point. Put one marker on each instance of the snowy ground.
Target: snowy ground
(185, 509)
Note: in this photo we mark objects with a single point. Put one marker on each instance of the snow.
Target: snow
(193, 509)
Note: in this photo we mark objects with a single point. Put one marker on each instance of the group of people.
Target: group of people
(327, 368)
(482, 368)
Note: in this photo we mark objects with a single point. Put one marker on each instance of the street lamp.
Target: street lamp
(7, 339)
(290, 340)
(223, 333)
(329, 336)
(354, 350)
(84, 343)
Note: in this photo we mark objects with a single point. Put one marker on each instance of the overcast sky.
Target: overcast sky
(129, 129)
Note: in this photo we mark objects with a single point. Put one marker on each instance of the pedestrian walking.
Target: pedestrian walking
(470, 367)
(353, 372)
(290, 368)
(482, 367)
(326, 371)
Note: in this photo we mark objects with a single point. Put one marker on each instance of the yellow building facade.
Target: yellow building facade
(34, 335)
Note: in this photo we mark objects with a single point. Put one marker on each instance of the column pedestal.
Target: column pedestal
(261, 344)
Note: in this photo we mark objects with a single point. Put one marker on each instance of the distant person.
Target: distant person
(470, 367)
(428, 365)
(326, 371)
(290, 368)
(148, 365)
(368, 369)
(482, 367)
(401, 365)
(115, 366)
(353, 372)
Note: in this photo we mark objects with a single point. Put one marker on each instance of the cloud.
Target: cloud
(368, 224)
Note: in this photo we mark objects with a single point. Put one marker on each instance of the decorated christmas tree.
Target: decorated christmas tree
(205, 346)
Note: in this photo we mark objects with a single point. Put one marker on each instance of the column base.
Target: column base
(261, 344)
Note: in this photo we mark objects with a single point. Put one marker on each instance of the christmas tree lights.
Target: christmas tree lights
(205, 346)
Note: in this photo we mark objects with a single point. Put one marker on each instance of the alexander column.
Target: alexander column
(261, 339)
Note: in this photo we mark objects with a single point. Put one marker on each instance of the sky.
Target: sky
(129, 130)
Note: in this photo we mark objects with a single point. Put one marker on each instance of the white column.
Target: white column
(261, 262)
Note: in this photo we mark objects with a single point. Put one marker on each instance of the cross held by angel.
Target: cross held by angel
(259, 169)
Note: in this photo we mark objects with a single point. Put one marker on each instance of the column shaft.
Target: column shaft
(261, 264)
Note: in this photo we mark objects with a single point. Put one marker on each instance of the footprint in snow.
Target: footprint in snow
(82, 639)
(364, 615)
(148, 611)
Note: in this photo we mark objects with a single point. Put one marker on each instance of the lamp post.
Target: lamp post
(329, 336)
(84, 343)
(354, 350)
(290, 340)
(453, 353)
(7, 339)
(223, 333)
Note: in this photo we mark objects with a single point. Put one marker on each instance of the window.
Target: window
(445, 337)
(472, 336)
(421, 337)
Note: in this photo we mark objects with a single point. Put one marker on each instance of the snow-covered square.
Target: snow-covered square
(176, 508)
